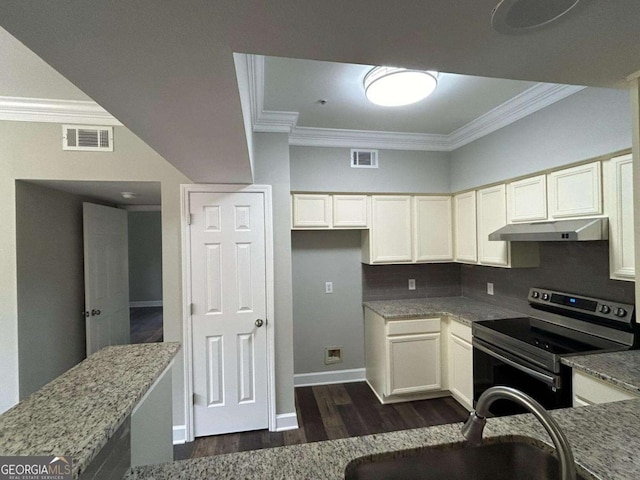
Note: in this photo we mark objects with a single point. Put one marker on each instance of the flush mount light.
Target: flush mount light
(522, 16)
(128, 195)
(394, 87)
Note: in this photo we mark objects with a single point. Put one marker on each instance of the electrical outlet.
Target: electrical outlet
(328, 287)
(490, 288)
(412, 284)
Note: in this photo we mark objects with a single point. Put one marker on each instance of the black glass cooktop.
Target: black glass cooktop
(550, 337)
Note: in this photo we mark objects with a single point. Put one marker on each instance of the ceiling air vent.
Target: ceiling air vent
(87, 138)
(364, 158)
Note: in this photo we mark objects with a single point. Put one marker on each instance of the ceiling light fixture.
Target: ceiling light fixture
(395, 87)
(128, 195)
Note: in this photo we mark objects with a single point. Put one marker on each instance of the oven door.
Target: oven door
(495, 366)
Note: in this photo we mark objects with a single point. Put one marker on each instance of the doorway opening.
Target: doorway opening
(52, 323)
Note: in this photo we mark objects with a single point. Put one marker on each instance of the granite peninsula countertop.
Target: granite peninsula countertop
(604, 439)
(463, 309)
(79, 411)
(619, 368)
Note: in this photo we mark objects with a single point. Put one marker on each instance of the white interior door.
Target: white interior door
(106, 276)
(228, 312)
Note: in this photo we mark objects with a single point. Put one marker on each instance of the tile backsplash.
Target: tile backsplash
(575, 267)
(388, 282)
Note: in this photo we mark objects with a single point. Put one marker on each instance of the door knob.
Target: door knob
(259, 322)
(85, 313)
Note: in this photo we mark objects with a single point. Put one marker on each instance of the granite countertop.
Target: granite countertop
(619, 368)
(79, 411)
(604, 439)
(465, 310)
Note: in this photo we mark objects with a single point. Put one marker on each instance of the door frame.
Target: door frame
(185, 191)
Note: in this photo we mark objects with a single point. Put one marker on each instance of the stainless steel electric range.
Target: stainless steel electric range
(525, 352)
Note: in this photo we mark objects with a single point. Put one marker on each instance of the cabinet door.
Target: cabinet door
(492, 215)
(433, 237)
(575, 191)
(461, 370)
(390, 229)
(527, 199)
(311, 211)
(350, 211)
(619, 206)
(413, 363)
(465, 233)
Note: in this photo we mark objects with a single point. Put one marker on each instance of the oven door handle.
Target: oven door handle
(548, 379)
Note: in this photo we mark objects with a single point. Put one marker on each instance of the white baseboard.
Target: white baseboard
(179, 434)
(327, 378)
(286, 421)
(150, 303)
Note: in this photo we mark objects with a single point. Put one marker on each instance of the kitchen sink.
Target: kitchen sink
(496, 460)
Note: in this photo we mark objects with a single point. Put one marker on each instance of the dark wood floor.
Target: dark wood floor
(146, 324)
(329, 412)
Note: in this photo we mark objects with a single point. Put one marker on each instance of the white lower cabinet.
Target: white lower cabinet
(588, 390)
(403, 357)
(460, 359)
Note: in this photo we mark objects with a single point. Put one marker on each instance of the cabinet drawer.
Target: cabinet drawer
(418, 325)
(460, 330)
(590, 390)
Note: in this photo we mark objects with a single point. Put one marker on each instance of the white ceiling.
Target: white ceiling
(168, 73)
(294, 85)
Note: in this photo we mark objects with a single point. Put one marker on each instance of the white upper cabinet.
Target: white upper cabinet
(492, 215)
(350, 211)
(432, 235)
(464, 230)
(311, 211)
(389, 240)
(618, 183)
(527, 199)
(575, 191)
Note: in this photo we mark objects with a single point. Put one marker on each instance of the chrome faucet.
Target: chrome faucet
(473, 427)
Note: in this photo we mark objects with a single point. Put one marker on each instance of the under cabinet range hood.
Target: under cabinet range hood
(581, 229)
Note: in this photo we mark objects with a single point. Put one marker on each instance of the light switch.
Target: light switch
(412, 284)
(328, 287)
(490, 288)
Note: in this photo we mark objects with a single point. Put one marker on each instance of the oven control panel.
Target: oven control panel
(605, 309)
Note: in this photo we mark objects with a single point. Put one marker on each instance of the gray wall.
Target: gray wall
(145, 256)
(322, 169)
(576, 267)
(319, 319)
(271, 167)
(588, 124)
(51, 330)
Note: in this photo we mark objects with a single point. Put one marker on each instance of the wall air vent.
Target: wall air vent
(364, 158)
(87, 138)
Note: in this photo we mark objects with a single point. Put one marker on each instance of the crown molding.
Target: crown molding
(329, 137)
(24, 109)
(265, 120)
(531, 100)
